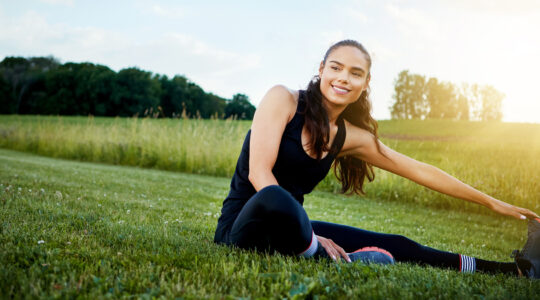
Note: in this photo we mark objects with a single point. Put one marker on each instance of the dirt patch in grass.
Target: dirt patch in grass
(405, 137)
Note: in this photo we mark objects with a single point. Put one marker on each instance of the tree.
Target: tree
(441, 99)
(491, 104)
(6, 105)
(240, 108)
(409, 96)
(173, 95)
(41, 85)
(26, 80)
(417, 98)
(135, 92)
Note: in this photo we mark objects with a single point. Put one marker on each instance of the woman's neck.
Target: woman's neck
(333, 111)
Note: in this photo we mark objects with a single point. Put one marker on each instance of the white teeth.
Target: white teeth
(340, 90)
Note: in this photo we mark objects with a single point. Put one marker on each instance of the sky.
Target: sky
(230, 47)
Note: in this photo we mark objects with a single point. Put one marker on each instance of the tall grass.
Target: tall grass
(498, 158)
(193, 146)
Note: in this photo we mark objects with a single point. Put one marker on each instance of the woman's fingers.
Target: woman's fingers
(341, 252)
(528, 213)
(514, 211)
(333, 250)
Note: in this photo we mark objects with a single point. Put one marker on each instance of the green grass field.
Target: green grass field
(77, 229)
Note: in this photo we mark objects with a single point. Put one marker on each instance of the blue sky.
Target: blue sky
(230, 47)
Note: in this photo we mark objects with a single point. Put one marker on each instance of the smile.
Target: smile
(340, 90)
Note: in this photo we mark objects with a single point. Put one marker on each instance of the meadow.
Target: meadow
(138, 220)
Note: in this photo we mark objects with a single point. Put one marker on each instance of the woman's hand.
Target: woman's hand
(510, 210)
(333, 250)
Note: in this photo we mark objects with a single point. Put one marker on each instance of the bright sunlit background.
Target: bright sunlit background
(230, 47)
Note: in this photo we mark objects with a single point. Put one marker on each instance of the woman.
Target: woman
(294, 139)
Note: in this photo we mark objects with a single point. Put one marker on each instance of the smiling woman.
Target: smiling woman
(295, 138)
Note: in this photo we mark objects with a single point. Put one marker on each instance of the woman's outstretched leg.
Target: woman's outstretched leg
(406, 250)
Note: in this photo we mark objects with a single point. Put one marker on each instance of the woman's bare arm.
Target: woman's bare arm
(272, 115)
(362, 144)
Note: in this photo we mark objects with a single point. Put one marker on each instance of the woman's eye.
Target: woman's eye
(334, 68)
(357, 74)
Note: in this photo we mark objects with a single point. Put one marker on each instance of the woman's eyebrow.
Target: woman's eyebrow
(355, 68)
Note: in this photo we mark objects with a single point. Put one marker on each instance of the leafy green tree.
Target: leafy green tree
(216, 106)
(26, 80)
(409, 96)
(41, 85)
(135, 92)
(240, 108)
(6, 105)
(173, 95)
(491, 104)
(442, 99)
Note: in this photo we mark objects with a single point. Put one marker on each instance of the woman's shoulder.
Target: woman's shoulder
(281, 98)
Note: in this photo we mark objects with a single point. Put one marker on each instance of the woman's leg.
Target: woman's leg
(272, 220)
(404, 249)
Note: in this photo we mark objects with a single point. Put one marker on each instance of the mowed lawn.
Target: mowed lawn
(78, 229)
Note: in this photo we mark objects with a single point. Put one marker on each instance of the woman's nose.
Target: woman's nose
(343, 77)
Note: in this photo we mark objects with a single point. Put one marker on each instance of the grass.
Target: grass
(71, 229)
(500, 159)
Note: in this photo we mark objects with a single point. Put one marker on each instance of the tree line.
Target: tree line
(418, 97)
(42, 85)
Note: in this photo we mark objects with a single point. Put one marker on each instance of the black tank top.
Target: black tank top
(294, 169)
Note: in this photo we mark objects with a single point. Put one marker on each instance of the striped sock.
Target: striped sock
(467, 264)
(312, 248)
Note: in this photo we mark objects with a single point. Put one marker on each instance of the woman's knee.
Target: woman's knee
(404, 242)
(276, 199)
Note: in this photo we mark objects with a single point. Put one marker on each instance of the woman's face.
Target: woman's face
(344, 76)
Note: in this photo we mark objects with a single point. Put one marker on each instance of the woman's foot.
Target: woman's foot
(528, 259)
(374, 255)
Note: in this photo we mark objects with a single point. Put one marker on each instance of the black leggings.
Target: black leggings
(274, 220)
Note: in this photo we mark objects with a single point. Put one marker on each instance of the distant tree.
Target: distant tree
(41, 85)
(240, 108)
(6, 105)
(417, 98)
(26, 80)
(491, 104)
(441, 99)
(173, 95)
(409, 96)
(216, 106)
(463, 111)
(135, 92)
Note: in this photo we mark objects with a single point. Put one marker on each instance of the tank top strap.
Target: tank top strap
(301, 107)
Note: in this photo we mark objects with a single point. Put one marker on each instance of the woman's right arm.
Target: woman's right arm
(276, 109)
(272, 115)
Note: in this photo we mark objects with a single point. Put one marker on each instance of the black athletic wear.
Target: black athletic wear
(295, 170)
(273, 219)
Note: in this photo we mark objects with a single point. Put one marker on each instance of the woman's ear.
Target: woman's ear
(321, 67)
(368, 79)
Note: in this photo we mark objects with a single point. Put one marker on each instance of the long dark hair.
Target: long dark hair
(350, 171)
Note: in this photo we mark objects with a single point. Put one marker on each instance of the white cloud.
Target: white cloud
(39, 37)
(217, 62)
(331, 37)
(414, 23)
(58, 2)
(170, 12)
(495, 6)
(169, 53)
(358, 16)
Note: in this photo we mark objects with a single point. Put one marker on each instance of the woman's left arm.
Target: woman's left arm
(362, 144)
